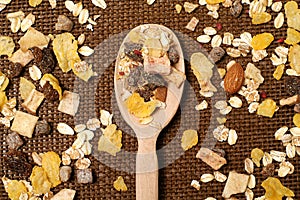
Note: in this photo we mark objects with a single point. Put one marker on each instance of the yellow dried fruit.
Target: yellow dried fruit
(119, 184)
(50, 163)
(293, 15)
(7, 46)
(34, 3)
(294, 57)
(154, 47)
(296, 119)
(262, 41)
(138, 107)
(267, 108)
(33, 38)
(134, 36)
(3, 99)
(65, 49)
(256, 155)
(15, 189)
(83, 70)
(293, 36)
(275, 190)
(53, 81)
(39, 181)
(25, 87)
(111, 140)
(189, 139)
(261, 18)
(212, 2)
(279, 72)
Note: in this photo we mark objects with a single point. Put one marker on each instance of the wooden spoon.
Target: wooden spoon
(146, 161)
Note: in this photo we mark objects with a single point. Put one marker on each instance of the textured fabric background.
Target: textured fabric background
(175, 178)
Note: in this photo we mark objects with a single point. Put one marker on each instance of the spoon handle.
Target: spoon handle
(147, 170)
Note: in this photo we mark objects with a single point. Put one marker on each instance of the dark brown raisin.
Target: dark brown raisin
(42, 128)
(18, 163)
(48, 62)
(37, 54)
(292, 85)
(216, 54)
(173, 56)
(49, 92)
(268, 170)
(236, 8)
(14, 70)
(14, 141)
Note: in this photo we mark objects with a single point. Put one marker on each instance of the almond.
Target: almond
(234, 79)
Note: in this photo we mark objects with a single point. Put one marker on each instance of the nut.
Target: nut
(234, 79)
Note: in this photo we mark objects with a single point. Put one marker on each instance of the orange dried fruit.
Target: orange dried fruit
(262, 41)
(275, 190)
(39, 181)
(279, 72)
(256, 155)
(261, 18)
(138, 107)
(267, 108)
(189, 139)
(293, 37)
(50, 163)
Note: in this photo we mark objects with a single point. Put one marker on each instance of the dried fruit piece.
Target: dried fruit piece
(65, 173)
(7, 46)
(111, 140)
(296, 120)
(39, 181)
(192, 24)
(24, 123)
(33, 101)
(190, 7)
(294, 57)
(211, 158)
(50, 163)
(34, 3)
(14, 70)
(33, 38)
(27, 22)
(14, 141)
(279, 72)
(275, 190)
(64, 194)
(63, 23)
(50, 80)
(65, 49)
(256, 155)
(189, 139)
(17, 162)
(293, 37)
(216, 54)
(262, 41)
(119, 184)
(261, 18)
(84, 176)
(25, 87)
(236, 8)
(69, 103)
(22, 57)
(267, 108)
(213, 2)
(236, 183)
(234, 79)
(138, 107)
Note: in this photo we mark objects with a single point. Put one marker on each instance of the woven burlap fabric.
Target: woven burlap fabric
(175, 177)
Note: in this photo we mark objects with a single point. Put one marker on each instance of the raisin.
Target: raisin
(48, 62)
(173, 56)
(14, 141)
(42, 128)
(14, 70)
(268, 170)
(236, 8)
(292, 85)
(49, 92)
(37, 54)
(18, 163)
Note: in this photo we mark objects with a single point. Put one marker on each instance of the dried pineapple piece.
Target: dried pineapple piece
(261, 18)
(53, 81)
(154, 47)
(203, 70)
(33, 38)
(267, 108)
(294, 57)
(7, 46)
(15, 188)
(293, 36)
(189, 139)
(25, 87)
(262, 41)
(35, 3)
(275, 190)
(296, 119)
(135, 36)
(293, 15)
(50, 163)
(256, 155)
(39, 181)
(119, 184)
(279, 72)
(111, 140)
(138, 107)
(65, 49)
